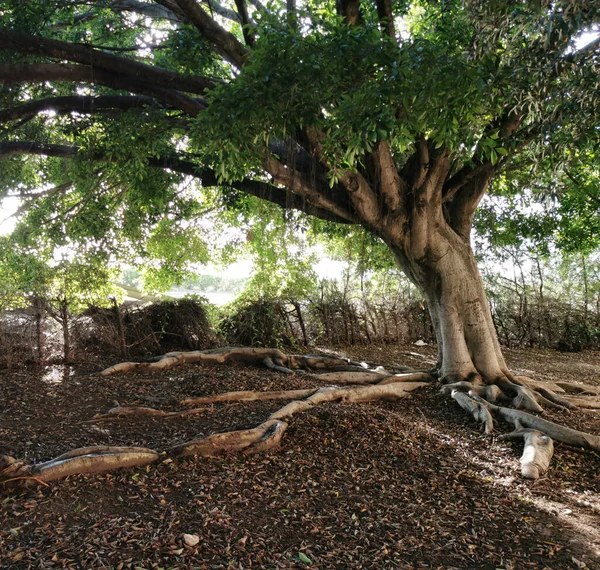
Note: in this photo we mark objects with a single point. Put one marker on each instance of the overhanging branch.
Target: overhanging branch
(107, 62)
(263, 190)
(40, 72)
(223, 41)
(78, 103)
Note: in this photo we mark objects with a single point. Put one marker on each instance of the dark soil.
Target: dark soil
(407, 484)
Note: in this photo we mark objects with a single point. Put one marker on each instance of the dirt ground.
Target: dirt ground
(411, 484)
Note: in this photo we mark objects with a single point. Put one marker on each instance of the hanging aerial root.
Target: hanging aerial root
(537, 451)
(80, 461)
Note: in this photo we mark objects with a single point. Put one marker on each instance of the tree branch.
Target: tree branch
(79, 103)
(350, 10)
(245, 21)
(462, 208)
(263, 190)
(386, 17)
(154, 11)
(40, 72)
(223, 41)
(393, 187)
(108, 62)
(223, 11)
(259, 6)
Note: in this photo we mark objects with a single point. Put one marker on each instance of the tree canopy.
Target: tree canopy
(109, 107)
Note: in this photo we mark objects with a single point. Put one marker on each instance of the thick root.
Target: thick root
(537, 452)
(555, 431)
(120, 412)
(270, 357)
(348, 394)
(581, 389)
(262, 438)
(489, 393)
(589, 402)
(477, 409)
(77, 462)
(535, 384)
(249, 396)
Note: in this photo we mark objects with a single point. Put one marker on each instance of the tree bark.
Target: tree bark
(466, 337)
(65, 318)
(433, 249)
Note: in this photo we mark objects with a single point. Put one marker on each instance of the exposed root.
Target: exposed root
(491, 393)
(581, 389)
(348, 394)
(371, 377)
(75, 462)
(346, 381)
(481, 402)
(120, 412)
(369, 385)
(262, 438)
(537, 452)
(589, 402)
(535, 384)
(270, 357)
(477, 409)
(555, 431)
(249, 396)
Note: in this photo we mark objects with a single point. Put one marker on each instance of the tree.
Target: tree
(53, 288)
(393, 116)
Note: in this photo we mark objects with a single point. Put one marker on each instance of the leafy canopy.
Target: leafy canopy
(175, 110)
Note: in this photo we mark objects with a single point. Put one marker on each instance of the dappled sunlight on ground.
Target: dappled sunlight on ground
(406, 484)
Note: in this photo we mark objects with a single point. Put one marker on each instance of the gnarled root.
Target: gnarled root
(124, 412)
(75, 462)
(249, 396)
(262, 438)
(537, 452)
(538, 437)
(477, 409)
(270, 357)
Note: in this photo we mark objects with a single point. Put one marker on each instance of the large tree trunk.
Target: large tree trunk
(467, 341)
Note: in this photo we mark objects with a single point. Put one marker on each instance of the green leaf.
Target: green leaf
(303, 558)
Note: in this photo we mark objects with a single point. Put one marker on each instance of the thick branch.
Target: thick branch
(223, 11)
(99, 60)
(386, 17)
(293, 180)
(208, 178)
(392, 186)
(78, 103)
(224, 42)
(245, 21)
(40, 72)
(462, 208)
(154, 11)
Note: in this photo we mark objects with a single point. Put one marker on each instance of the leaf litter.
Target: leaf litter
(410, 484)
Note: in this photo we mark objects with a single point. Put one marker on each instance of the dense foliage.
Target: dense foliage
(141, 131)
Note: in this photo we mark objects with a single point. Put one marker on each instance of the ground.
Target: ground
(406, 484)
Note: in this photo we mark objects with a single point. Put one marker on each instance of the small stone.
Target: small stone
(191, 539)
